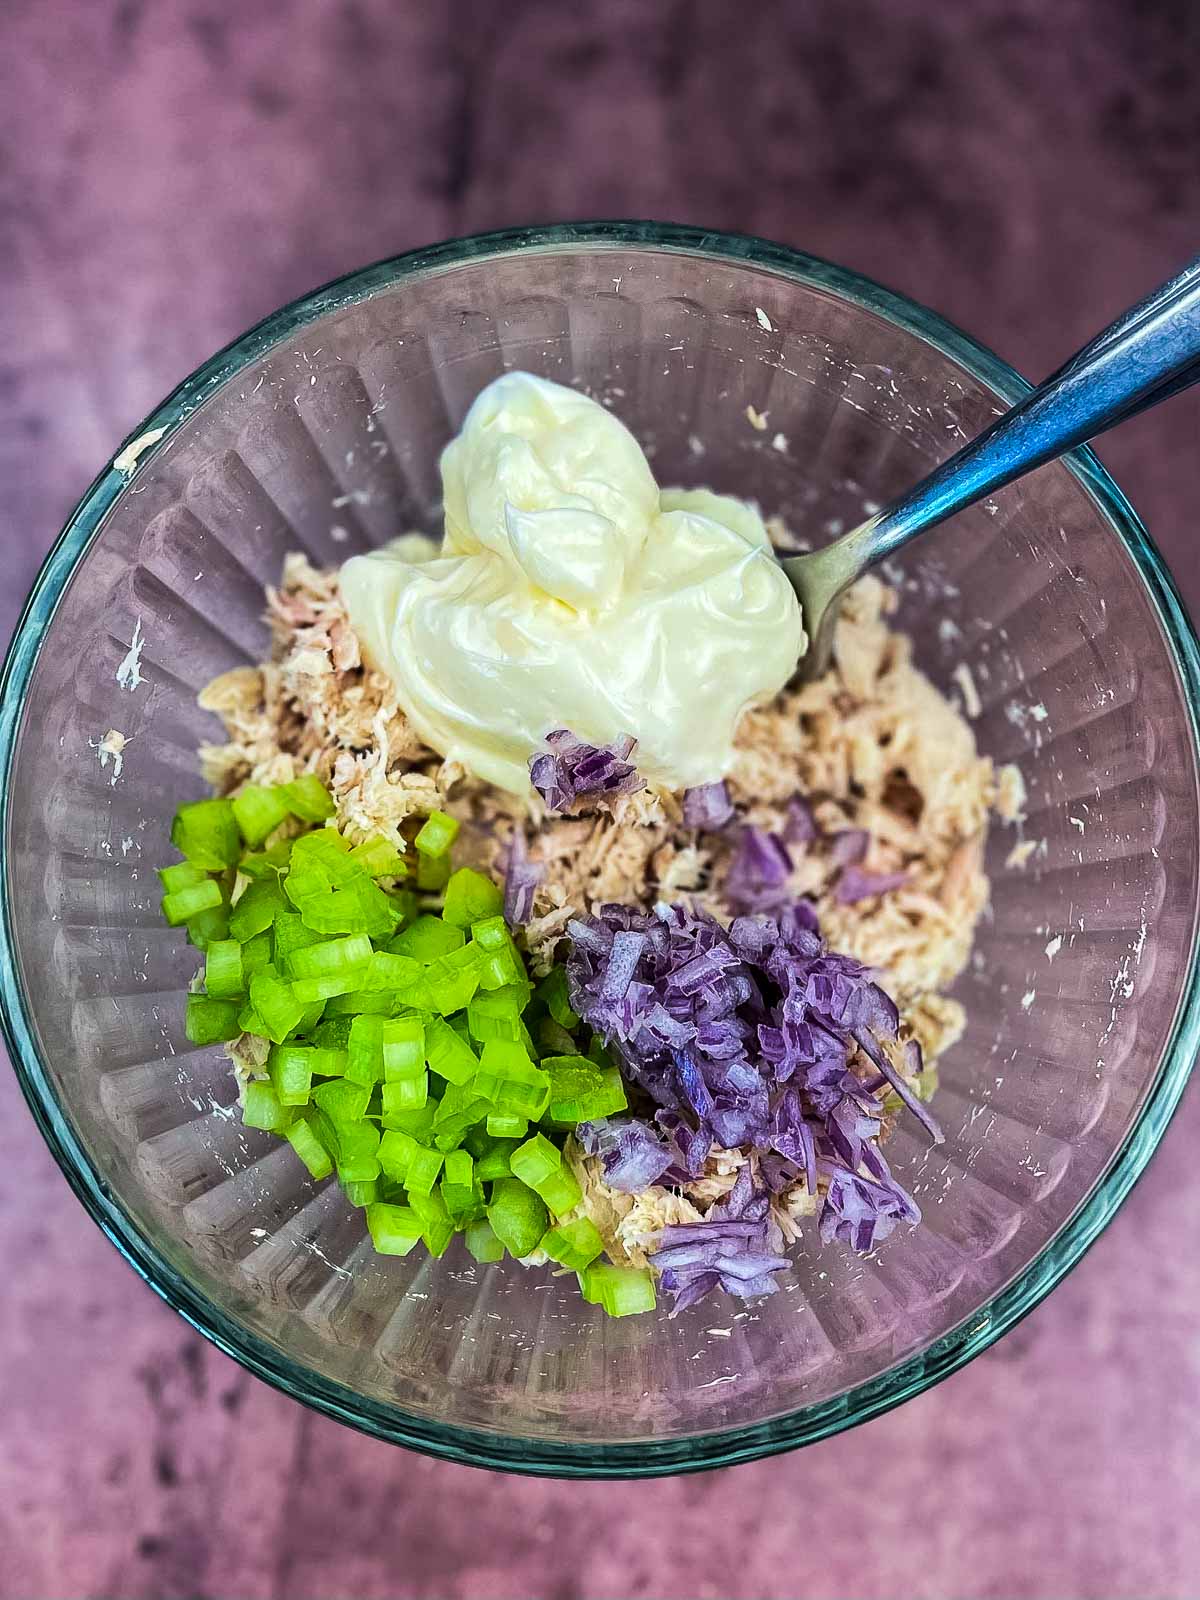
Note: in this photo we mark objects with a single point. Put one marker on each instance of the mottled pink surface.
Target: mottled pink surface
(169, 173)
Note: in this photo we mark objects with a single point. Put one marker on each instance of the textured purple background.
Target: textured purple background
(170, 172)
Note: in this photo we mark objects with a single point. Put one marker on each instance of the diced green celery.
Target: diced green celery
(259, 812)
(552, 991)
(561, 1191)
(423, 1169)
(500, 1125)
(418, 1123)
(405, 904)
(360, 1192)
(290, 1066)
(573, 1244)
(310, 1016)
(470, 898)
(261, 1108)
(460, 1194)
(536, 1160)
(539, 1164)
(364, 1063)
(482, 1243)
(379, 857)
(491, 933)
(517, 1215)
(329, 957)
(460, 1108)
(437, 1227)
(433, 873)
(256, 954)
(181, 875)
(269, 863)
(510, 1079)
(256, 909)
(305, 883)
(437, 834)
(309, 1148)
(405, 1094)
(383, 917)
(357, 1152)
(333, 1033)
(448, 1055)
(186, 903)
(459, 1169)
(211, 1021)
(403, 1048)
(273, 999)
(320, 990)
(322, 844)
(223, 977)
(290, 934)
(396, 1151)
(476, 1141)
(336, 911)
(450, 990)
(394, 1230)
(329, 1063)
(208, 925)
(308, 798)
(496, 1162)
(341, 1101)
(621, 1291)
(427, 938)
(386, 971)
(494, 1016)
(501, 967)
(581, 1091)
(249, 1021)
(362, 1003)
(206, 832)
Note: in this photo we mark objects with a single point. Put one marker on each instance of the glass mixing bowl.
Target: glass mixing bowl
(320, 431)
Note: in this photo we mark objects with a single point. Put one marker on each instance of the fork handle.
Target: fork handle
(1148, 354)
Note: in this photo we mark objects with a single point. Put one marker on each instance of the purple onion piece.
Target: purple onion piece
(707, 807)
(801, 825)
(570, 769)
(521, 879)
(924, 1116)
(849, 846)
(854, 884)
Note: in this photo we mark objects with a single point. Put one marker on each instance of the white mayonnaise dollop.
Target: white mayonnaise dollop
(570, 592)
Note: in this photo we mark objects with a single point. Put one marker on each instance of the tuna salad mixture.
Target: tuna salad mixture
(635, 994)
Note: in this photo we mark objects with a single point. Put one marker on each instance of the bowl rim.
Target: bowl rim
(478, 1447)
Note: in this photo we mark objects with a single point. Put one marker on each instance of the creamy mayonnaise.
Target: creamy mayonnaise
(570, 592)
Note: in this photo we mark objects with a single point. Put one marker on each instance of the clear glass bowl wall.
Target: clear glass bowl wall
(326, 440)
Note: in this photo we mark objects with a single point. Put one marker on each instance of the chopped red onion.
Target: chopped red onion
(742, 1037)
(707, 807)
(854, 884)
(758, 874)
(571, 770)
(801, 825)
(849, 846)
(521, 878)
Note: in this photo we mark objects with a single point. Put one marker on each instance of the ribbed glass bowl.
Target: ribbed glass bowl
(320, 431)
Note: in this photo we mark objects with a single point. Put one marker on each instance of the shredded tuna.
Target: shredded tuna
(871, 746)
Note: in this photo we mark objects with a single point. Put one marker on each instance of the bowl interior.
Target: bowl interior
(322, 435)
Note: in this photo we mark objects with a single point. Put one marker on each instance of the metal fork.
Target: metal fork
(1149, 353)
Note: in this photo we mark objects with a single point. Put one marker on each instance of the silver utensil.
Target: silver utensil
(1149, 353)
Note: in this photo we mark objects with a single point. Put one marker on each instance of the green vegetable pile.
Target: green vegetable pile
(407, 1048)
